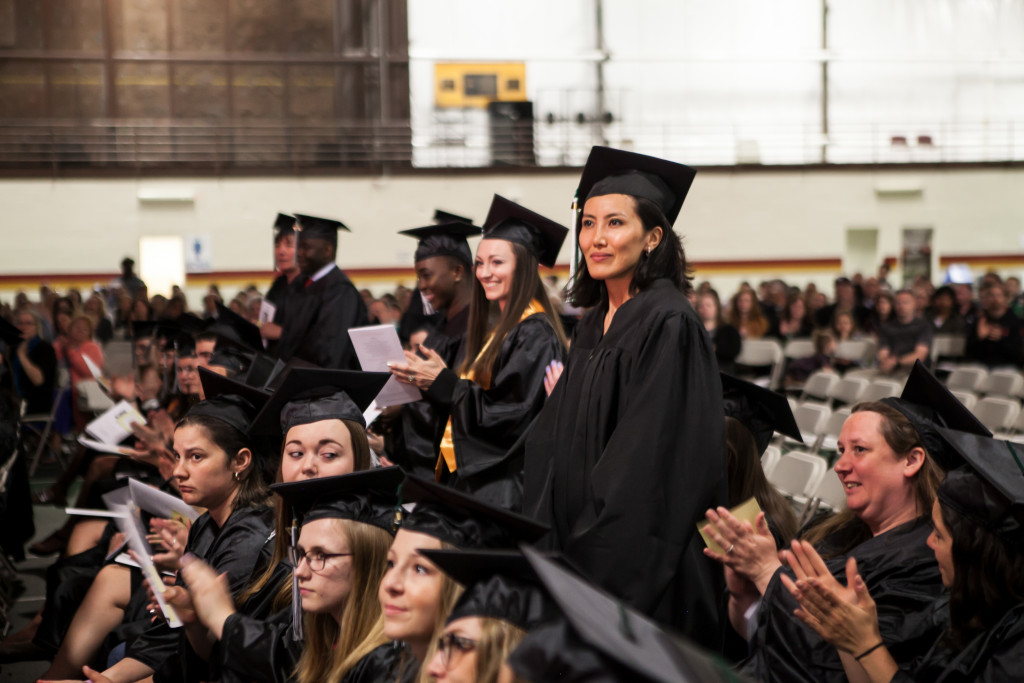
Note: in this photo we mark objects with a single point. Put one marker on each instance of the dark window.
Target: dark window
(481, 84)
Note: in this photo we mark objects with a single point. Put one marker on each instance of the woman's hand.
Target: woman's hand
(748, 552)
(172, 535)
(210, 594)
(551, 375)
(93, 676)
(850, 625)
(806, 563)
(419, 372)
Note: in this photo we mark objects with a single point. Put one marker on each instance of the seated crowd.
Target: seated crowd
(558, 486)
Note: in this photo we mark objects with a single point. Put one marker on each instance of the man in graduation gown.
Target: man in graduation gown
(326, 303)
(444, 274)
(280, 289)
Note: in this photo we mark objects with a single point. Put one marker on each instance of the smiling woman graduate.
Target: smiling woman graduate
(630, 448)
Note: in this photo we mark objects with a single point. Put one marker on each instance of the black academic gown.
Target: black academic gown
(628, 454)
(415, 435)
(317, 320)
(258, 649)
(994, 656)
(903, 578)
(487, 424)
(279, 294)
(388, 663)
(244, 542)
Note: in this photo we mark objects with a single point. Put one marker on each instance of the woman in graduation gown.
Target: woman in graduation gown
(320, 414)
(281, 288)
(416, 597)
(629, 450)
(887, 464)
(978, 541)
(219, 468)
(498, 389)
(444, 265)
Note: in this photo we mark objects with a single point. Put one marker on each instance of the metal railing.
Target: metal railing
(475, 142)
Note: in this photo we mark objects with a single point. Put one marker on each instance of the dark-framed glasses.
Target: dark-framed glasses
(451, 644)
(316, 559)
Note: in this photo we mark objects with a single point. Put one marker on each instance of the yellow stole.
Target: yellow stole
(447, 443)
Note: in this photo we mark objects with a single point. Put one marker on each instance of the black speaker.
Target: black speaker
(511, 125)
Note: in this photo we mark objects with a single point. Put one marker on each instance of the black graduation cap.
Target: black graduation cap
(370, 497)
(444, 239)
(507, 220)
(614, 171)
(324, 228)
(928, 404)
(464, 520)
(260, 370)
(231, 358)
(9, 333)
(760, 410)
(597, 628)
(228, 401)
(192, 323)
(498, 583)
(233, 329)
(989, 488)
(442, 216)
(284, 224)
(142, 329)
(184, 345)
(313, 394)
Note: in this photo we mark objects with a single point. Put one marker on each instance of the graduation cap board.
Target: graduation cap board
(499, 584)
(928, 404)
(599, 626)
(989, 488)
(444, 239)
(284, 224)
(231, 402)
(615, 171)
(309, 395)
(233, 329)
(143, 329)
(509, 221)
(760, 410)
(464, 520)
(323, 228)
(442, 216)
(370, 497)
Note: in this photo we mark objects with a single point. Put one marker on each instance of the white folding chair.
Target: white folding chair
(966, 378)
(1003, 382)
(770, 458)
(948, 346)
(848, 390)
(1016, 431)
(797, 474)
(829, 438)
(882, 388)
(799, 348)
(968, 398)
(853, 350)
(810, 420)
(865, 373)
(763, 352)
(997, 413)
(830, 494)
(818, 385)
(41, 425)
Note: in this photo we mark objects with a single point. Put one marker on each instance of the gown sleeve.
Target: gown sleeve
(254, 649)
(486, 422)
(341, 308)
(662, 466)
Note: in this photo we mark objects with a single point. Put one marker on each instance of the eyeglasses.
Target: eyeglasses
(450, 643)
(316, 559)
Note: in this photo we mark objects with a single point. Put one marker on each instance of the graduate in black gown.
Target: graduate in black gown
(629, 450)
(325, 302)
(444, 278)
(889, 463)
(978, 541)
(280, 289)
(512, 337)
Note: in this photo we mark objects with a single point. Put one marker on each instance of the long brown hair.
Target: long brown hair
(497, 640)
(331, 647)
(902, 438)
(756, 324)
(746, 480)
(526, 287)
(451, 590)
(282, 536)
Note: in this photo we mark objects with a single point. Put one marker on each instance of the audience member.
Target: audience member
(725, 338)
(746, 315)
(845, 300)
(994, 338)
(906, 339)
(943, 314)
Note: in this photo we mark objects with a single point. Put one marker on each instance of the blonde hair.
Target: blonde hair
(497, 640)
(333, 647)
(451, 591)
